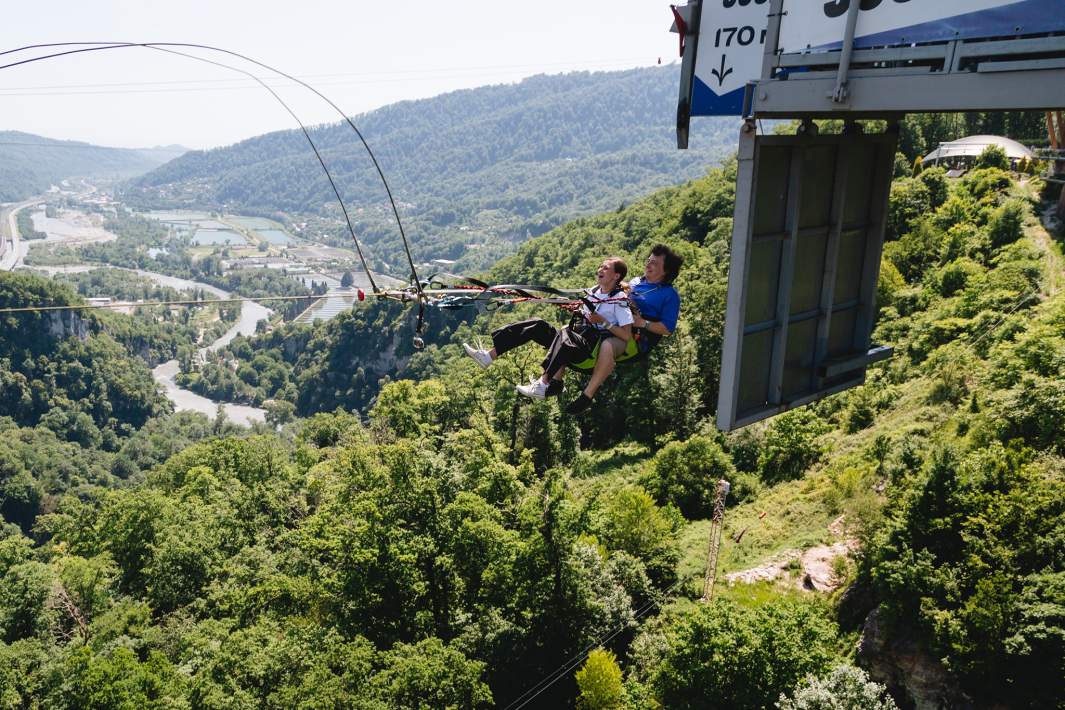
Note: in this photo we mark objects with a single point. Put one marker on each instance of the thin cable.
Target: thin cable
(560, 672)
(435, 297)
(138, 304)
(164, 47)
(115, 45)
(1001, 321)
(413, 73)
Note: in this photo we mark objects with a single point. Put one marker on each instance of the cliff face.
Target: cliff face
(914, 677)
(66, 324)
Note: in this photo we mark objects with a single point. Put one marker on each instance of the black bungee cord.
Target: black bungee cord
(163, 46)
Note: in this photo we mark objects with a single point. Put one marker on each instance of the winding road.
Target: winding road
(13, 251)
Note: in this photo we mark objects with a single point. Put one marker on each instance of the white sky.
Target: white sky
(360, 54)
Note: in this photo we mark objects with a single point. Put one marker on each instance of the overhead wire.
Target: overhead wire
(118, 89)
(438, 297)
(556, 675)
(167, 47)
(408, 74)
(329, 176)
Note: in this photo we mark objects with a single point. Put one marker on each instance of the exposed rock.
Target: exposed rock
(818, 570)
(64, 324)
(766, 572)
(913, 676)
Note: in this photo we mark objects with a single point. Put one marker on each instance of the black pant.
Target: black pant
(564, 346)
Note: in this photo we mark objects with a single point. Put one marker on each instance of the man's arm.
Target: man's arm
(653, 326)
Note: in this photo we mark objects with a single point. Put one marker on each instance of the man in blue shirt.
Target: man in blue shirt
(655, 309)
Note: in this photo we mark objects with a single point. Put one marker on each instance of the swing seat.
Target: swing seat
(632, 351)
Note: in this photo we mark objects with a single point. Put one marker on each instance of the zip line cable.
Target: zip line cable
(556, 675)
(138, 304)
(166, 47)
(273, 93)
(338, 78)
(438, 297)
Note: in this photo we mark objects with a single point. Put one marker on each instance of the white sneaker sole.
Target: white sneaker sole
(530, 392)
(475, 355)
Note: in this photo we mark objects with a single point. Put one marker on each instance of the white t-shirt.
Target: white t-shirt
(615, 309)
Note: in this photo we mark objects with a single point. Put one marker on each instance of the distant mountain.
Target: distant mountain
(489, 166)
(162, 153)
(30, 164)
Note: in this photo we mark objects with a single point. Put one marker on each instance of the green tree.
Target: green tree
(791, 446)
(993, 156)
(844, 688)
(685, 474)
(429, 675)
(279, 412)
(910, 199)
(599, 682)
(723, 655)
(632, 522)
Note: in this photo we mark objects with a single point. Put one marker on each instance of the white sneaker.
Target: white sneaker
(481, 357)
(535, 389)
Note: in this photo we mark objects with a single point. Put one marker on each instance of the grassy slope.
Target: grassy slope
(798, 513)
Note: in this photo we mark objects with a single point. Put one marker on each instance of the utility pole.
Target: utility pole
(716, 521)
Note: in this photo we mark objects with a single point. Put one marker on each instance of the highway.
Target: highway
(12, 249)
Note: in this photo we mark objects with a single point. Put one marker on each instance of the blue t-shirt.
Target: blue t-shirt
(656, 301)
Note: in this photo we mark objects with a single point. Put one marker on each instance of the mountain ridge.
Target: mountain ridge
(490, 166)
(30, 164)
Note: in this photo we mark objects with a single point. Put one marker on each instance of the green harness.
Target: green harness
(632, 350)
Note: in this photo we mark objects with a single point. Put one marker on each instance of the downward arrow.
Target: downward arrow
(722, 73)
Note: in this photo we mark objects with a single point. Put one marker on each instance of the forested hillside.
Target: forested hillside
(30, 164)
(489, 166)
(463, 547)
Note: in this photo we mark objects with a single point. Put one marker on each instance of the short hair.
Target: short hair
(619, 266)
(671, 261)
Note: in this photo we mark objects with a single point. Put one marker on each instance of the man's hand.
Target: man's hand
(595, 318)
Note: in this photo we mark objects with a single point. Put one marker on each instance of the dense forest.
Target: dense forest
(490, 166)
(430, 539)
(30, 164)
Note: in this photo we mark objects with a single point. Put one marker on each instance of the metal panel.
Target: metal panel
(806, 244)
(974, 72)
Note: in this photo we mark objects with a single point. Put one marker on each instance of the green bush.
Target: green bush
(935, 179)
(791, 446)
(685, 474)
(1006, 224)
(599, 682)
(845, 688)
(955, 276)
(910, 199)
(727, 656)
(993, 156)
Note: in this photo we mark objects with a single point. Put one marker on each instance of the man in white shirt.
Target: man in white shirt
(611, 318)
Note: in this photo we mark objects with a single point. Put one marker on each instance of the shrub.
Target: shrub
(791, 446)
(935, 179)
(1006, 224)
(956, 275)
(599, 682)
(685, 474)
(993, 156)
(633, 523)
(910, 198)
(727, 656)
(845, 688)
(985, 182)
(1035, 412)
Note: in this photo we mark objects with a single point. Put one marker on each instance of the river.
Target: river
(250, 314)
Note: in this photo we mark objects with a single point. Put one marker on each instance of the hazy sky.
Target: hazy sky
(362, 55)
